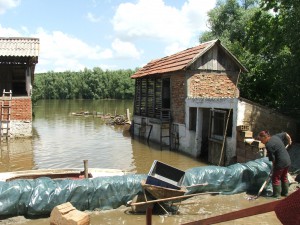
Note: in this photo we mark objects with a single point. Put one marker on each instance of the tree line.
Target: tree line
(264, 35)
(86, 84)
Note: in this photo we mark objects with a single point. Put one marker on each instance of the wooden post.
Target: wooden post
(149, 216)
(86, 170)
(128, 114)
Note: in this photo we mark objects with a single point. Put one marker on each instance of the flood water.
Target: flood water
(63, 140)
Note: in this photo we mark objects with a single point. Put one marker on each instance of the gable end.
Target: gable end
(215, 59)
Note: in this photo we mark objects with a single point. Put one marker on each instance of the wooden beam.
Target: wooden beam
(172, 198)
(263, 208)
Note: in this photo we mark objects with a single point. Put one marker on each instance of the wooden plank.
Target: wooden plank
(172, 198)
(263, 208)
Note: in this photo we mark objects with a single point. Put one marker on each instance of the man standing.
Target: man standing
(277, 153)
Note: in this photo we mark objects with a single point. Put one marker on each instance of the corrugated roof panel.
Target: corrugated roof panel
(18, 46)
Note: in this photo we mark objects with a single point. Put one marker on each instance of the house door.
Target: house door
(217, 132)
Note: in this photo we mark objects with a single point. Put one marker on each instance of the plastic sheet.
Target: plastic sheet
(38, 197)
(236, 178)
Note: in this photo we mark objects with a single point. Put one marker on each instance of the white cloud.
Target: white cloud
(155, 19)
(172, 48)
(91, 17)
(61, 52)
(8, 32)
(7, 4)
(125, 49)
(148, 19)
(25, 30)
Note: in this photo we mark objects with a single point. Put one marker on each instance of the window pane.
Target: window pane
(219, 123)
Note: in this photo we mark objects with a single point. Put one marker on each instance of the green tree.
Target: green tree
(286, 30)
(86, 84)
(264, 38)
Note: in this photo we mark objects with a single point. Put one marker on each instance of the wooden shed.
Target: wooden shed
(189, 101)
(18, 57)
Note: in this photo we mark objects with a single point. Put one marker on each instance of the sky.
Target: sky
(110, 34)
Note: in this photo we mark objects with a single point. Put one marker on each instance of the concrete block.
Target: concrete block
(242, 128)
(241, 135)
(257, 144)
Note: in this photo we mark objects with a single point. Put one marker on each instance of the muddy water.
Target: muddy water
(62, 140)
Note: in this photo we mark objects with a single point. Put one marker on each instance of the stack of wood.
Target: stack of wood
(67, 214)
(247, 147)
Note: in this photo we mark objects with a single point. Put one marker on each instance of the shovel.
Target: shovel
(261, 189)
(263, 186)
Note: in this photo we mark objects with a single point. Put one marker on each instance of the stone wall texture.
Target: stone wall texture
(206, 85)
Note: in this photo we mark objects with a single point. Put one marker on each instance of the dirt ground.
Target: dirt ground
(192, 209)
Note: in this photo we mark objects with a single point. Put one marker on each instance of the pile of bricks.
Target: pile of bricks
(247, 147)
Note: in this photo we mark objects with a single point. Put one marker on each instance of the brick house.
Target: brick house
(18, 57)
(187, 100)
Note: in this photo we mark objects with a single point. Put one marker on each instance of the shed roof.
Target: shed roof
(180, 60)
(19, 47)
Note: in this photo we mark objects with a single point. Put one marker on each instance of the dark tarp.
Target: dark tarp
(236, 178)
(40, 196)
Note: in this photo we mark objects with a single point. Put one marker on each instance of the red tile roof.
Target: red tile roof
(173, 62)
(178, 61)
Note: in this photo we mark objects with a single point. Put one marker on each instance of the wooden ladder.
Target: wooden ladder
(175, 136)
(5, 113)
(165, 128)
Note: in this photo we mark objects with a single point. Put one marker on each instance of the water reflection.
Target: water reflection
(16, 155)
(63, 140)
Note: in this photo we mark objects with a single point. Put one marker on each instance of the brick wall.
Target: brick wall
(259, 117)
(178, 96)
(21, 109)
(211, 85)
